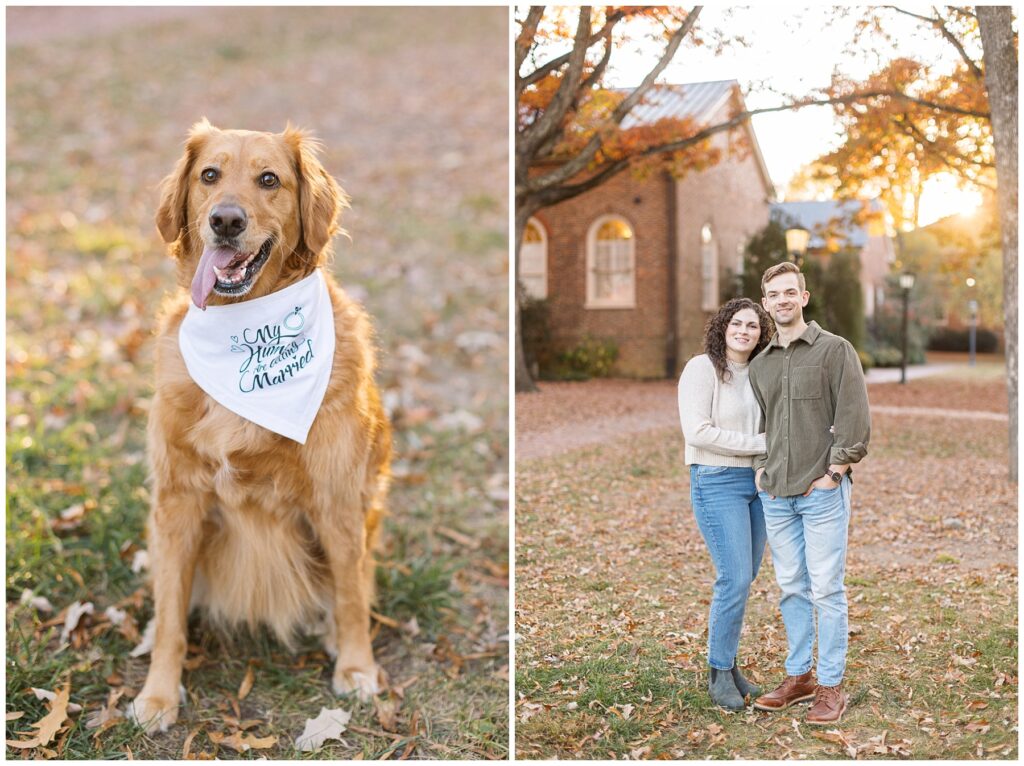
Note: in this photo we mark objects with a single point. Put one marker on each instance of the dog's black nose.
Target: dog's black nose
(228, 220)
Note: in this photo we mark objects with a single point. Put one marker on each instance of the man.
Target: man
(810, 386)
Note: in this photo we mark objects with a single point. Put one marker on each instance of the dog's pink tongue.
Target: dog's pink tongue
(205, 278)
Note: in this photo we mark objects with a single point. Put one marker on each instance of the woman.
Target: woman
(721, 423)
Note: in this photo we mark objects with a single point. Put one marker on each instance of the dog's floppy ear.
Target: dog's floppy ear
(321, 200)
(172, 215)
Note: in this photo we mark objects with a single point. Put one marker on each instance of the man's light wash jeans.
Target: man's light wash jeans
(808, 538)
(728, 515)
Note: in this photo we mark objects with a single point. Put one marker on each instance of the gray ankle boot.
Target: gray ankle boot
(723, 689)
(744, 686)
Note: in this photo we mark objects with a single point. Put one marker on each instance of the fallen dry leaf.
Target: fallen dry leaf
(107, 714)
(330, 724)
(51, 723)
(74, 614)
(387, 712)
(39, 603)
(187, 747)
(247, 682)
(23, 744)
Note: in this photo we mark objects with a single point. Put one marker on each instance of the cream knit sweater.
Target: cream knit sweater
(720, 420)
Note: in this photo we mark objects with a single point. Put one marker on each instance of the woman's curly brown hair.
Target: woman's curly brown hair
(714, 333)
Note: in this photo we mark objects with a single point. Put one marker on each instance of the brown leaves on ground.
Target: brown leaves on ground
(50, 725)
(614, 583)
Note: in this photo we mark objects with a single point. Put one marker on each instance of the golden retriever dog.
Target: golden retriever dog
(253, 527)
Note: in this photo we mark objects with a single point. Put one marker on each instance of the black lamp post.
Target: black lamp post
(972, 306)
(796, 244)
(906, 284)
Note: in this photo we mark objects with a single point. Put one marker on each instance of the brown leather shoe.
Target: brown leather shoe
(794, 689)
(829, 705)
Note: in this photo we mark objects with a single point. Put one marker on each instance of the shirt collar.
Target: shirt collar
(808, 336)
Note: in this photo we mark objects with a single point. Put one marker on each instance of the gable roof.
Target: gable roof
(700, 101)
(817, 215)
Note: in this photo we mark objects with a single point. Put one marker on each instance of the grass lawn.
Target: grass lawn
(613, 586)
(411, 108)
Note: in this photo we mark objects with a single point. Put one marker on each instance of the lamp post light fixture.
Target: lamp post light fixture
(972, 307)
(906, 285)
(796, 244)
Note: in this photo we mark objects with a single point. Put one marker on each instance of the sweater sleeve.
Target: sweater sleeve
(761, 460)
(852, 425)
(696, 389)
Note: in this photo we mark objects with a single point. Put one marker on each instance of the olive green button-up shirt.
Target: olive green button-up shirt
(814, 407)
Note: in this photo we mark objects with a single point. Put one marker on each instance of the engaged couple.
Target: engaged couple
(773, 418)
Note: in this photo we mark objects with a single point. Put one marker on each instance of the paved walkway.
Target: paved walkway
(662, 413)
(892, 374)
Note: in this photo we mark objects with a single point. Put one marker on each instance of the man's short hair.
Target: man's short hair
(786, 267)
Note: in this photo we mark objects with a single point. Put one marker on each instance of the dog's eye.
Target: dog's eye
(269, 181)
(210, 175)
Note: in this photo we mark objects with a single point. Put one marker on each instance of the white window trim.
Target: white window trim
(608, 303)
(544, 243)
(709, 303)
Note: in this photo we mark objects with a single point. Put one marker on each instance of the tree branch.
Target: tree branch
(940, 25)
(527, 35)
(537, 132)
(541, 184)
(582, 159)
(558, 62)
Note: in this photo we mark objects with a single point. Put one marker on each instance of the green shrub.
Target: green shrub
(886, 336)
(948, 339)
(590, 358)
(866, 360)
(886, 356)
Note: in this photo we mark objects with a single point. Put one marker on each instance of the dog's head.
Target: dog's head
(247, 212)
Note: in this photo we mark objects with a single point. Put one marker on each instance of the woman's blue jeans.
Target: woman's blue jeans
(729, 516)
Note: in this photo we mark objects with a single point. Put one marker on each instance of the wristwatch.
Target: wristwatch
(835, 476)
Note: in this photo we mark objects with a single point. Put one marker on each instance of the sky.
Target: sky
(794, 49)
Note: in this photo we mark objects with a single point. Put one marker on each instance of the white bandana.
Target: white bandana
(268, 359)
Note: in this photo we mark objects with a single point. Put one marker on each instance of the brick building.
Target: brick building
(644, 262)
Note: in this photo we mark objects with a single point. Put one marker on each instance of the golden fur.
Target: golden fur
(251, 526)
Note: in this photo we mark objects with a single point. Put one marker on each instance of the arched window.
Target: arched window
(708, 269)
(533, 260)
(611, 264)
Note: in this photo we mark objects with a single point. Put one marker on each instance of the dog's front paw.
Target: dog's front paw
(366, 682)
(153, 713)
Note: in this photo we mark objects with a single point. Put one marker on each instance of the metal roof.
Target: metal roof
(699, 100)
(816, 215)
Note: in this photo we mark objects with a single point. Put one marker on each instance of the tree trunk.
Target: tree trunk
(1000, 56)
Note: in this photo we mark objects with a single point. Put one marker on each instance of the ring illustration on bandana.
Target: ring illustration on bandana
(294, 320)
